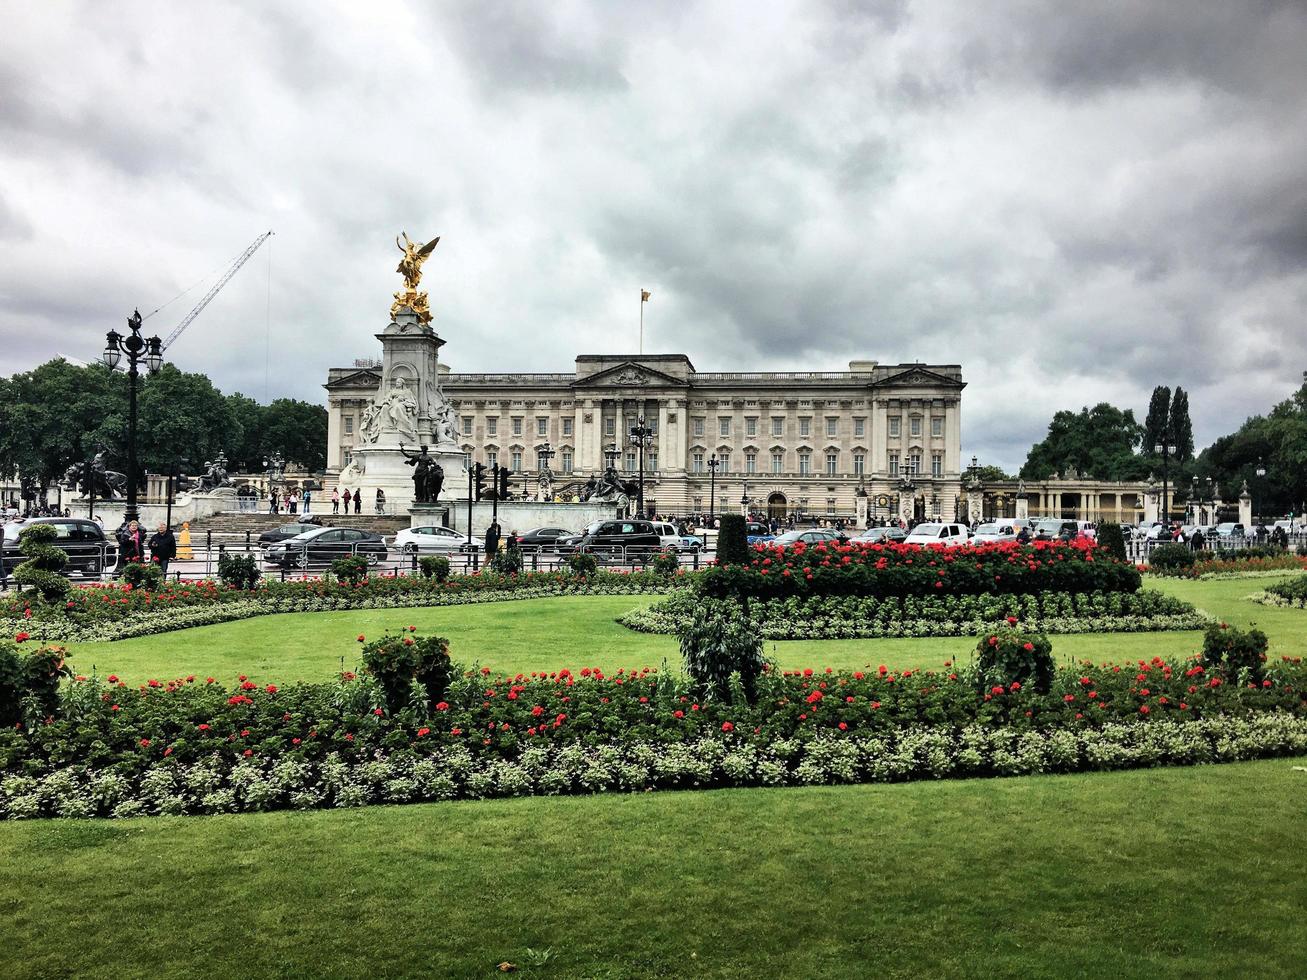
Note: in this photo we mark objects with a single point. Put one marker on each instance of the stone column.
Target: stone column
(1245, 507)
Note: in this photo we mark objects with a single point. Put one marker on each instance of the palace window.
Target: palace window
(610, 426)
(859, 427)
(565, 461)
(778, 425)
(830, 506)
(937, 426)
(751, 462)
(651, 460)
(832, 464)
(697, 462)
(805, 427)
(492, 458)
(936, 465)
(895, 426)
(893, 464)
(567, 427)
(467, 425)
(915, 425)
(859, 464)
(492, 426)
(751, 426)
(542, 426)
(914, 463)
(724, 426)
(698, 426)
(805, 464)
(777, 462)
(517, 425)
(349, 426)
(724, 459)
(832, 426)
(630, 462)
(698, 503)
(349, 457)
(516, 465)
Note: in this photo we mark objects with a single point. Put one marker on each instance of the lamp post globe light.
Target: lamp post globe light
(1261, 476)
(543, 455)
(641, 437)
(1163, 449)
(138, 350)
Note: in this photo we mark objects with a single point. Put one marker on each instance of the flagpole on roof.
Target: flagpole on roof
(644, 298)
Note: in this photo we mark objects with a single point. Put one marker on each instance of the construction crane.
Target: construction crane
(208, 297)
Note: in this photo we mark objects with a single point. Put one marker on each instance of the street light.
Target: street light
(642, 439)
(713, 463)
(1163, 449)
(543, 455)
(1261, 476)
(611, 454)
(139, 350)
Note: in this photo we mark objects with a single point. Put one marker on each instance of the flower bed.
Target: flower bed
(192, 745)
(904, 570)
(849, 617)
(116, 612)
(1232, 568)
(1292, 593)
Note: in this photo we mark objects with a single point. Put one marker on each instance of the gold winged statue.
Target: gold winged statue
(410, 267)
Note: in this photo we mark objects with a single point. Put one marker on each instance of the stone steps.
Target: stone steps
(258, 523)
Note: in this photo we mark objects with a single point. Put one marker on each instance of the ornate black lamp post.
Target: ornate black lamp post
(139, 350)
(642, 439)
(611, 454)
(1261, 478)
(275, 466)
(1163, 449)
(713, 463)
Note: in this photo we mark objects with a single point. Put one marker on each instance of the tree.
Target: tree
(1156, 423)
(298, 430)
(1099, 442)
(1182, 429)
(182, 417)
(245, 452)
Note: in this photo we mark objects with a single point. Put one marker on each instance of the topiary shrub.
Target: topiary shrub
(44, 562)
(583, 565)
(142, 575)
(715, 647)
(238, 571)
(1109, 536)
(350, 569)
(507, 562)
(32, 677)
(666, 563)
(1171, 559)
(397, 660)
(1233, 651)
(1010, 655)
(732, 540)
(434, 566)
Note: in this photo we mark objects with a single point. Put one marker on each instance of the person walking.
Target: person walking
(308, 496)
(131, 544)
(358, 501)
(381, 501)
(272, 501)
(335, 500)
(492, 540)
(163, 547)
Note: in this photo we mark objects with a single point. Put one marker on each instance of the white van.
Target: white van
(946, 534)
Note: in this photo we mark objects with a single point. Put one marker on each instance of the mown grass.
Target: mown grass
(1182, 872)
(546, 634)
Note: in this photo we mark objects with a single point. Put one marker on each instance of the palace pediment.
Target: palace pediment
(917, 376)
(364, 378)
(629, 374)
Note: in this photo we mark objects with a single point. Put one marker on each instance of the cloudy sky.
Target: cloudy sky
(1074, 201)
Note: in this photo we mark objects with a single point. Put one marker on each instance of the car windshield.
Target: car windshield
(593, 527)
(992, 529)
(927, 530)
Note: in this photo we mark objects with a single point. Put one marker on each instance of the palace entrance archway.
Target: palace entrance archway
(776, 505)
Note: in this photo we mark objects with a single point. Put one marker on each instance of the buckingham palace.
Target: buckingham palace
(807, 443)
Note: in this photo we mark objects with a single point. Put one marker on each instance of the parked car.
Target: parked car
(1229, 531)
(283, 532)
(617, 539)
(674, 540)
(945, 534)
(430, 539)
(323, 545)
(542, 538)
(90, 551)
(755, 532)
(882, 535)
(1051, 529)
(989, 533)
(808, 536)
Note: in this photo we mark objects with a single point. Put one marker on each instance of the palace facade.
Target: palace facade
(808, 443)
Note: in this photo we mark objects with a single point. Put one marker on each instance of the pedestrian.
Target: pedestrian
(307, 498)
(131, 544)
(272, 501)
(381, 501)
(163, 547)
(358, 501)
(335, 500)
(1196, 540)
(1023, 536)
(492, 539)
(292, 501)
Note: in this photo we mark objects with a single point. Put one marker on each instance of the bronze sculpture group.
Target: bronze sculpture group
(428, 475)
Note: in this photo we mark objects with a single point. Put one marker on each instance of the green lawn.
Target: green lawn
(546, 634)
(1180, 872)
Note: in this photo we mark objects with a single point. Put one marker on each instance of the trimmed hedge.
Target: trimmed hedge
(732, 540)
